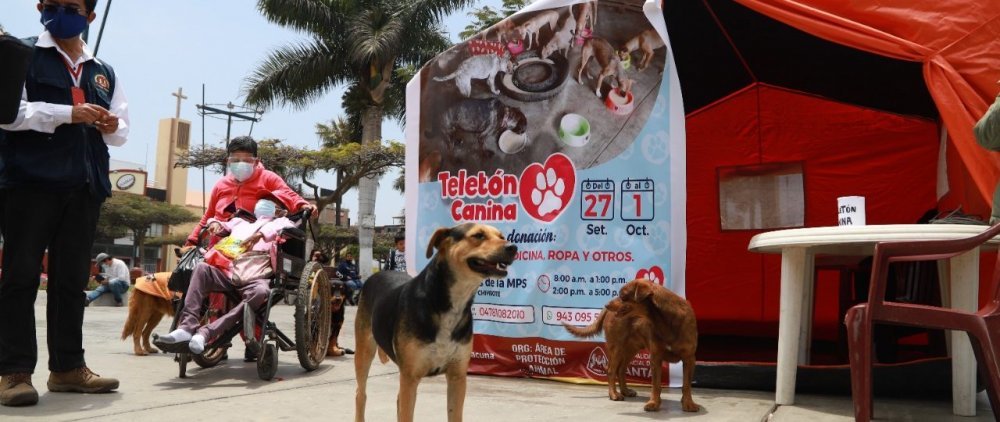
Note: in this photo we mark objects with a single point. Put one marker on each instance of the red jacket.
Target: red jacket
(228, 191)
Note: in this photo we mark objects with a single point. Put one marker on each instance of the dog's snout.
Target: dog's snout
(510, 248)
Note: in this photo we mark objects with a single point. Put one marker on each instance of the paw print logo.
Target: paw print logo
(660, 106)
(658, 241)
(656, 147)
(546, 190)
(654, 274)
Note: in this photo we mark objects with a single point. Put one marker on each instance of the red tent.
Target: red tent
(874, 98)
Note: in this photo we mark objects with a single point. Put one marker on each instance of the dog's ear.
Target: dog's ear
(177, 251)
(437, 240)
(637, 290)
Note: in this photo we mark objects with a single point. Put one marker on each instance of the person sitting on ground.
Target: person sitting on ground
(114, 278)
(208, 277)
(349, 273)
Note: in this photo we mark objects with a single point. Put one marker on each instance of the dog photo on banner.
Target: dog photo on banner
(563, 127)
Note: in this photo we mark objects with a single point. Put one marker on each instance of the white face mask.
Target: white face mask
(241, 171)
(264, 209)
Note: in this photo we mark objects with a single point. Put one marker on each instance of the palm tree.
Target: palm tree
(369, 47)
(338, 132)
(485, 17)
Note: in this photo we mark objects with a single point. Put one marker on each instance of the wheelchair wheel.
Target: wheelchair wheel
(267, 363)
(210, 357)
(312, 316)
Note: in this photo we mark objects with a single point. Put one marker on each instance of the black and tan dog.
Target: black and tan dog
(337, 310)
(424, 324)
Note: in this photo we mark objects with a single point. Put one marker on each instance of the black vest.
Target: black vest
(75, 155)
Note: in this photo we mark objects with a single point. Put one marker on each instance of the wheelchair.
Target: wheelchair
(293, 276)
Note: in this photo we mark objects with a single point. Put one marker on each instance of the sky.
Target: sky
(157, 47)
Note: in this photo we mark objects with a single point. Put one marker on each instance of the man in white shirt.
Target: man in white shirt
(53, 180)
(114, 278)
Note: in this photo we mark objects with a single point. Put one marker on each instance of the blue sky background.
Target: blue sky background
(156, 47)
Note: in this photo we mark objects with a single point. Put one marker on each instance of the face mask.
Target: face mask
(241, 171)
(63, 23)
(264, 208)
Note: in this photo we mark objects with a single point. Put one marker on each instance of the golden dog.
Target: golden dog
(150, 301)
(646, 316)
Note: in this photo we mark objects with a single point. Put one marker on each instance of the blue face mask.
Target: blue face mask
(63, 23)
(264, 208)
(241, 171)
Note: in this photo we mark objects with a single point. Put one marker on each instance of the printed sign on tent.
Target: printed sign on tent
(562, 126)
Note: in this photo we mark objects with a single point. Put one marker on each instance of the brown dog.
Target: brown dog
(424, 323)
(150, 300)
(610, 61)
(646, 316)
(646, 41)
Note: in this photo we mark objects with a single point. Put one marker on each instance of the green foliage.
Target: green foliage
(126, 213)
(383, 242)
(485, 17)
(290, 162)
(358, 44)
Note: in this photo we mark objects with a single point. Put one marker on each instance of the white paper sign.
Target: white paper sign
(851, 211)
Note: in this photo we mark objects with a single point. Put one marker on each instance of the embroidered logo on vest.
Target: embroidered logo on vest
(102, 82)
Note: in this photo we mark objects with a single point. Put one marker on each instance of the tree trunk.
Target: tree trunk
(140, 244)
(371, 132)
(336, 218)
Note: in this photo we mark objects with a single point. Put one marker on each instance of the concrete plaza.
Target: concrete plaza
(151, 391)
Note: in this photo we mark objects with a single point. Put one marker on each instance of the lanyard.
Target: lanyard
(75, 74)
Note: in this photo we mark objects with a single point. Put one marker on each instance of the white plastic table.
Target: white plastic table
(798, 248)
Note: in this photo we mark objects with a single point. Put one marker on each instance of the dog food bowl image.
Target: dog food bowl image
(534, 78)
(618, 103)
(515, 48)
(574, 130)
(511, 142)
(585, 34)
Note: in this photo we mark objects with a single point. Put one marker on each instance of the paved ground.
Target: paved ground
(151, 391)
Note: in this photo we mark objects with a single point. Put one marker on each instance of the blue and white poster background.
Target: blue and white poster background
(587, 214)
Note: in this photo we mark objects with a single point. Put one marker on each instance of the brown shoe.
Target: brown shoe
(80, 380)
(16, 390)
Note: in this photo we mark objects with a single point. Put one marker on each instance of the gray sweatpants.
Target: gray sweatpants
(206, 278)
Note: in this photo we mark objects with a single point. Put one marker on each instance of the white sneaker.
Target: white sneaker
(197, 344)
(176, 336)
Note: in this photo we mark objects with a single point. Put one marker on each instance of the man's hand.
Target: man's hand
(313, 215)
(214, 228)
(108, 124)
(89, 114)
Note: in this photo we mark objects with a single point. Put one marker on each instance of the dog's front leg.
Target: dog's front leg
(456, 390)
(407, 399)
(656, 365)
(687, 403)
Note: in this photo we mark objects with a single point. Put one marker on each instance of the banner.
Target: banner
(563, 127)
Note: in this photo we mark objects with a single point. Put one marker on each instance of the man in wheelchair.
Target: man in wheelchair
(243, 261)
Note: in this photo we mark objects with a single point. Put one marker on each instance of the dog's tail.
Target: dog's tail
(591, 330)
(130, 322)
(449, 77)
